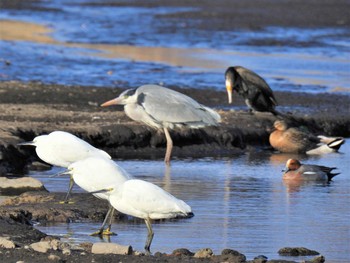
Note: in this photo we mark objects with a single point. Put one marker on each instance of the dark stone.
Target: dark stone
(182, 252)
(297, 251)
(260, 259)
(232, 256)
(317, 259)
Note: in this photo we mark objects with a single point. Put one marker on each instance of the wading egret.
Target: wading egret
(163, 108)
(133, 197)
(253, 88)
(95, 173)
(61, 148)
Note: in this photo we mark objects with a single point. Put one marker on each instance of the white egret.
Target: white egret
(133, 197)
(61, 148)
(95, 173)
(162, 108)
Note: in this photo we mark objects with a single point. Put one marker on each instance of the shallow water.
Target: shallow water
(85, 49)
(239, 203)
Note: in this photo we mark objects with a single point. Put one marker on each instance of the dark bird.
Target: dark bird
(253, 88)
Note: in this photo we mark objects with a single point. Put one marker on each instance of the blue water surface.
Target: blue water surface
(310, 60)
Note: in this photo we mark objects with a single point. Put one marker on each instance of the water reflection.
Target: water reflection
(240, 203)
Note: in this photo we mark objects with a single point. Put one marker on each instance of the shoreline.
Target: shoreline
(31, 109)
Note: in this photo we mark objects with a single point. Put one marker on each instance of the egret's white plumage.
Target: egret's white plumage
(96, 173)
(146, 200)
(163, 108)
(130, 196)
(62, 148)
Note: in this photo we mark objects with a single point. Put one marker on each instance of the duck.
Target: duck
(297, 171)
(293, 140)
(253, 88)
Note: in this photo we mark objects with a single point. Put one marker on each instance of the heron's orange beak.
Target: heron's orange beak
(110, 102)
(229, 91)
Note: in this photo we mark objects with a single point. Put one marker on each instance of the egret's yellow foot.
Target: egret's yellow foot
(68, 203)
(105, 232)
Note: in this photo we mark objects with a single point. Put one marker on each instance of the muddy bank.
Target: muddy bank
(31, 109)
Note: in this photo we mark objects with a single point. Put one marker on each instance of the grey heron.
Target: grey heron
(163, 108)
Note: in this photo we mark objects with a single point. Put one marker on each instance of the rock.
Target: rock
(182, 252)
(159, 254)
(66, 251)
(39, 166)
(53, 257)
(87, 246)
(19, 185)
(138, 253)
(318, 259)
(6, 243)
(110, 248)
(42, 246)
(204, 253)
(297, 251)
(232, 256)
(260, 259)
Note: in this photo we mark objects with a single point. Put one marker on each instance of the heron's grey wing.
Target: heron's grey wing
(253, 79)
(171, 106)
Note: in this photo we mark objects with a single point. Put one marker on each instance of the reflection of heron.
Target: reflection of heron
(62, 149)
(293, 140)
(95, 173)
(162, 108)
(307, 172)
(253, 88)
(133, 197)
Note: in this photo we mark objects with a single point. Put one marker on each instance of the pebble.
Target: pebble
(233, 255)
(204, 253)
(66, 251)
(19, 185)
(260, 259)
(6, 243)
(317, 259)
(54, 257)
(111, 248)
(42, 246)
(182, 252)
(297, 251)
